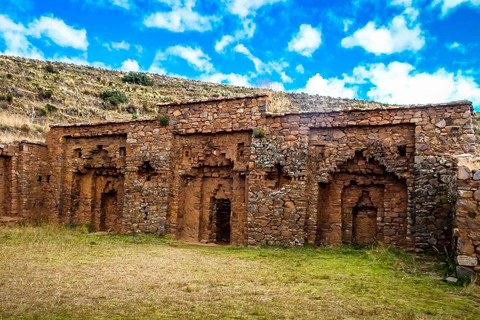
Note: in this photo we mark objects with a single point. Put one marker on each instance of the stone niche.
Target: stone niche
(363, 203)
(211, 182)
(95, 184)
(5, 185)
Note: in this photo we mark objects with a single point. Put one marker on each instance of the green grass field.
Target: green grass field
(57, 273)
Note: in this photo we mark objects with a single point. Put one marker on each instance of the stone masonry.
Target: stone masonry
(227, 171)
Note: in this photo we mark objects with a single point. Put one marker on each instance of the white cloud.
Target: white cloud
(194, 56)
(332, 87)
(456, 46)
(246, 32)
(243, 8)
(397, 37)
(181, 18)
(121, 3)
(404, 3)
(130, 65)
(121, 45)
(59, 32)
(117, 46)
(346, 24)
(16, 41)
(262, 67)
(306, 41)
(139, 48)
(300, 69)
(285, 78)
(232, 78)
(276, 86)
(400, 83)
(223, 43)
(450, 5)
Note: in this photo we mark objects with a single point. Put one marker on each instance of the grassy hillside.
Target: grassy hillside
(64, 93)
(53, 273)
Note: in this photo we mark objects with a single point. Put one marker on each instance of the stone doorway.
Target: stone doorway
(364, 226)
(222, 228)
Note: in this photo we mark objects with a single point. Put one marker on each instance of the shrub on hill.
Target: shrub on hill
(114, 97)
(6, 97)
(50, 68)
(138, 78)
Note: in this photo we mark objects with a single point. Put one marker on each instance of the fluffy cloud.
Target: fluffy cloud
(81, 60)
(180, 18)
(246, 32)
(449, 5)
(194, 56)
(332, 87)
(405, 3)
(300, 69)
(117, 46)
(400, 83)
(59, 32)
(121, 3)
(243, 8)
(130, 65)
(396, 37)
(456, 46)
(306, 41)
(232, 78)
(262, 67)
(16, 41)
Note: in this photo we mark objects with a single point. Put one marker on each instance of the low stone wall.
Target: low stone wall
(467, 217)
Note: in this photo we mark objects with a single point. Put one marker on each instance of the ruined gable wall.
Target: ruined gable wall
(139, 175)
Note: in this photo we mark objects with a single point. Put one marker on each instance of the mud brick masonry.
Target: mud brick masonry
(228, 171)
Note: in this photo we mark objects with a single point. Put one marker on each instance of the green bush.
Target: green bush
(259, 133)
(134, 116)
(138, 78)
(50, 68)
(114, 97)
(164, 120)
(50, 107)
(45, 94)
(41, 112)
(6, 97)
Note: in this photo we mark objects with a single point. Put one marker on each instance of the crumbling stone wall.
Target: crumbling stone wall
(467, 217)
(227, 171)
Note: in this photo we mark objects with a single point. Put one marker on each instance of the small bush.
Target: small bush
(71, 225)
(50, 107)
(3, 105)
(41, 112)
(9, 76)
(45, 94)
(50, 68)
(134, 116)
(164, 120)
(138, 78)
(259, 133)
(114, 97)
(6, 97)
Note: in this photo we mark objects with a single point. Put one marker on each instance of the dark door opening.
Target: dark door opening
(222, 221)
(108, 211)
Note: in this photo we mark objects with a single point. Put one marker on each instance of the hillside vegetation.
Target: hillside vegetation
(48, 93)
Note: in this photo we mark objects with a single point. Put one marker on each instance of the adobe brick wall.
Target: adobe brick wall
(334, 177)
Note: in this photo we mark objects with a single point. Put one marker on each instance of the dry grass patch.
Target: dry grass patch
(55, 273)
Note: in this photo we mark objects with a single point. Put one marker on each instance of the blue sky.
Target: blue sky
(394, 51)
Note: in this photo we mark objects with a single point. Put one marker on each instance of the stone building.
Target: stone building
(227, 171)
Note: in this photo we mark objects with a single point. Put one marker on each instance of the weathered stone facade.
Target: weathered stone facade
(227, 171)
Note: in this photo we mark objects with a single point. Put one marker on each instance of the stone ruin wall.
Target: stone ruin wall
(24, 179)
(320, 178)
(467, 217)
